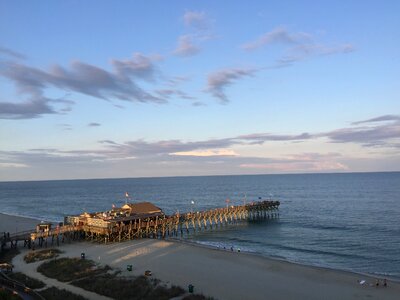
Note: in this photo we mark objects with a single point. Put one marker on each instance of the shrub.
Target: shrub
(125, 288)
(67, 269)
(34, 256)
(56, 294)
(7, 255)
(30, 282)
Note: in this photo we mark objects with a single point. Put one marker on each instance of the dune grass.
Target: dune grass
(30, 282)
(140, 287)
(7, 255)
(68, 269)
(34, 256)
(57, 294)
(8, 295)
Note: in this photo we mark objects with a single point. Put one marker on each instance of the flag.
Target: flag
(192, 202)
(113, 206)
(126, 195)
(227, 200)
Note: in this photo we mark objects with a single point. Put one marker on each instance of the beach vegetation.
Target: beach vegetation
(54, 293)
(197, 297)
(8, 295)
(140, 287)
(30, 282)
(7, 255)
(40, 255)
(68, 269)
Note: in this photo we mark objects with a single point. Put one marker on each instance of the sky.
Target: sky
(106, 89)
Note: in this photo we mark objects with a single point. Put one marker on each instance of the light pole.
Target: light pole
(192, 202)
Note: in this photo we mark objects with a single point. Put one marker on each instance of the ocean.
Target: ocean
(348, 221)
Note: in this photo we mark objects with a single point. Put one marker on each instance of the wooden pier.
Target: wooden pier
(140, 220)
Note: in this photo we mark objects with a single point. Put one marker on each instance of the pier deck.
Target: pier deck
(154, 224)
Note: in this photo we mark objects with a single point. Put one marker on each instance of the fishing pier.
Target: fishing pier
(140, 220)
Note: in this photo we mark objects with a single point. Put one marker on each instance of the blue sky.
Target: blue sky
(99, 89)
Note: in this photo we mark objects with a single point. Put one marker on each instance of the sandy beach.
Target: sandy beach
(221, 273)
(14, 224)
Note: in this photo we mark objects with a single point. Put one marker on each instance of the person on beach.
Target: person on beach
(384, 282)
(377, 283)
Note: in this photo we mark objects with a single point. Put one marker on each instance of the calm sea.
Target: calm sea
(341, 221)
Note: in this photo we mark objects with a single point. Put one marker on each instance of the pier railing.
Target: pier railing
(155, 227)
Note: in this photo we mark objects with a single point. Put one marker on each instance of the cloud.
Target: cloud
(297, 45)
(186, 46)
(379, 119)
(298, 167)
(94, 124)
(12, 165)
(260, 138)
(278, 35)
(33, 108)
(302, 52)
(219, 80)
(302, 162)
(177, 80)
(168, 93)
(365, 135)
(383, 131)
(142, 148)
(200, 31)
(196, 19)
(80, 77)
(140, 66)
(11, 53)
(206, 153)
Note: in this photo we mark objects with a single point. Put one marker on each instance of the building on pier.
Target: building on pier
(138, 220)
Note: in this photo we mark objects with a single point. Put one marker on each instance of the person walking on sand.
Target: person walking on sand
(377, 283)
(384, 282)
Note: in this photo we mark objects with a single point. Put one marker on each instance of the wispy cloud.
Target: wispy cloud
(217, 81)
(199, 27)
(297, 46)
(206, 153)
(382, 131)
(186, 47)
(119, 84)
(302, 52)
(278, 35)
(94, 124)
(196, 19)
(82, 78)
(216, 152)
(11, 53)
(169, 93)
(140, 66)
(260, 138)
(35, 107)
(384, 118)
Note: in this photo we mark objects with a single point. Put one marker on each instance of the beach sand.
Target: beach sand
(14, 224)
(224, 274)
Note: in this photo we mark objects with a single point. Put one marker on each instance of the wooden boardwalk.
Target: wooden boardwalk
(151, 226)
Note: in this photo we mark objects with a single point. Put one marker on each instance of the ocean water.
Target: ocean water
(340, 221)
